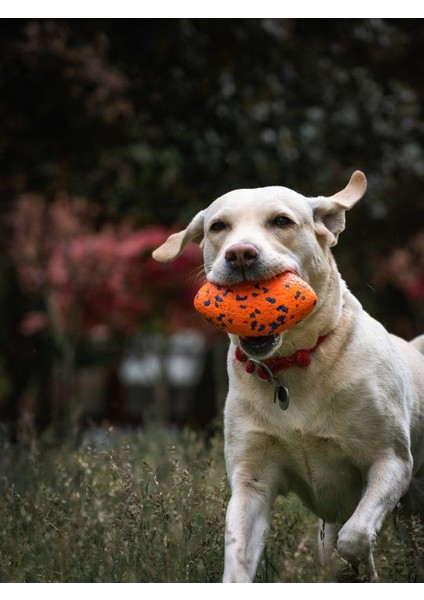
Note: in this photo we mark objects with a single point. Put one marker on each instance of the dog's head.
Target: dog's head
(255, 234)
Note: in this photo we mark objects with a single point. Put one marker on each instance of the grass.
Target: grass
(144, 507)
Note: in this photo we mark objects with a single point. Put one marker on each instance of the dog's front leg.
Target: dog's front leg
(247, 525)
(387, 480)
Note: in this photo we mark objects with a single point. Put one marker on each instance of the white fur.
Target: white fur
(352, 438)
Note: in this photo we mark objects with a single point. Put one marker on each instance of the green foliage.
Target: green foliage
(151, 119)
(160, 116)
(145, 507)
(154, 118)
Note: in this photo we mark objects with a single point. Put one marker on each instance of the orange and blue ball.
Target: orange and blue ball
(262, 308)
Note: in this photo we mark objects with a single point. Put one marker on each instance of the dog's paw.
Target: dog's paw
(355, 544)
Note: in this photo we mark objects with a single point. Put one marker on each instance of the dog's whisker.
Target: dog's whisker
(196, 273)
(287, 345)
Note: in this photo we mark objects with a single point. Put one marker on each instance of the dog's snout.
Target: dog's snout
(241, 255)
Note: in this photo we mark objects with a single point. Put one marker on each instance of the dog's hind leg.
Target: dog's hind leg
(327, 538)
(409, 525)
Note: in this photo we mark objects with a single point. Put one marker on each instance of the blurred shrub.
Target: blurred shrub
(89, 277)
(85, 284)
(152, 119)
(158, 117)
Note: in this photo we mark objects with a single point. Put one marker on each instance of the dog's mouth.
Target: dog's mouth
(260, 346)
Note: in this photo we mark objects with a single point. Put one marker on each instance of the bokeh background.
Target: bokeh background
(114, 132)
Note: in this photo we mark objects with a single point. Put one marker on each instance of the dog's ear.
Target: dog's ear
(176, 242)
(329, 212)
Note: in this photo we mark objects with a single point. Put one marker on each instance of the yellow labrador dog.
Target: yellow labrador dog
(350, 440)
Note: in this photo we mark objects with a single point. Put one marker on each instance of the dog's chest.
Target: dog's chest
(321, 474)
(316, 445)
(317, 458)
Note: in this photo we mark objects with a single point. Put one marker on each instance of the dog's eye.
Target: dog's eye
(282, 221)
(217, 226)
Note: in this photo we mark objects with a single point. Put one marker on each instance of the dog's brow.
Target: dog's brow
(276, 211)
(224, 213)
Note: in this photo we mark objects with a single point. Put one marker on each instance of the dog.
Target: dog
(351, 442)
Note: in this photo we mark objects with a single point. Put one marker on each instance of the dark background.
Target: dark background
(149, 120)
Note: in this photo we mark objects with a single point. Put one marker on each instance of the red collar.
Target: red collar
(300, 358)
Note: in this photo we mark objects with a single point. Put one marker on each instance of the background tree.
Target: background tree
(87, 286)
(152, 119)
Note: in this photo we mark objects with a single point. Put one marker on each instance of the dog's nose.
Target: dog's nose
(241, 255)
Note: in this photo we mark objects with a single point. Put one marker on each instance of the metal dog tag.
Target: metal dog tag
(281, 393)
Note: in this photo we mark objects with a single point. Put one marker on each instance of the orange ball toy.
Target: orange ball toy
(251, 309)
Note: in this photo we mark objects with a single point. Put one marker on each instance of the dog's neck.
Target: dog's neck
(325, 317)
(270, 366)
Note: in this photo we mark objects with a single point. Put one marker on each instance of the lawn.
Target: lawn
(144, 507)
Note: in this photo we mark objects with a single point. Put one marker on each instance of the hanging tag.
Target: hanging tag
(281, 394)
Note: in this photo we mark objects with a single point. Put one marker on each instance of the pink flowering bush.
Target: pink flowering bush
(88, 280)
(93, 278)
(404, 269)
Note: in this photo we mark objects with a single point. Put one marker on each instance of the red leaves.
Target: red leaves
(89, 276)
(404, 269)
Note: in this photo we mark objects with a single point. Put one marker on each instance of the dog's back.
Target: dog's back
(418, 342)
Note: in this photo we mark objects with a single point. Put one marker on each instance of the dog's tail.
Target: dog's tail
(418, 342)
